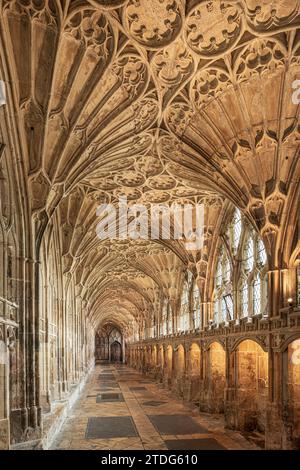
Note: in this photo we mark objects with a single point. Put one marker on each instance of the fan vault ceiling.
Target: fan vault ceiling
(160, 101)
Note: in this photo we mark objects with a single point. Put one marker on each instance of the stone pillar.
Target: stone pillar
(274, 413)
(206, 313)
(32, 274)
(22, 334)
(274, 284)
(66, 332)
(4, 394)
(123, 350)
(230, 405)
(203, 381)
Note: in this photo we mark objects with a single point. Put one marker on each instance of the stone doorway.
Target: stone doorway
(116, 352)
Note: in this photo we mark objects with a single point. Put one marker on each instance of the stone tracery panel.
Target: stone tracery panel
(266, 16)
(153, 23)
(225, 26)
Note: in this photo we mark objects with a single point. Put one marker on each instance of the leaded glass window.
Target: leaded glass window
(218, 277)
(196, 307)
(223, 286)
(254, 272)
(243, 260)
(226, 269)
(184, 309)
(261, 253)
(223, 310)
(235, 230)
(228, 299)
(244, 299)
(163, 330)
(216, 310)
(249, 254)
(256, 295)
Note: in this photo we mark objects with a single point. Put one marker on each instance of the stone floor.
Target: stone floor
(120, 409)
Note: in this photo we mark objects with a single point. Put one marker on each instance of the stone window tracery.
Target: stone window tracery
(223, 287)
(184, 308)
(235, 230)
(244, 260)
(253, 291)
(196, 306)
(164, 318)
(184, 316)
(244, 296)
(152, 327)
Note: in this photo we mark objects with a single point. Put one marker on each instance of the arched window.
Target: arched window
(244, 292)
(256, 295)
(235, 230)
(223, 303)
(241, 259)
(196, 306)
(152, 326)
(164, 318)
(218, 276)
(184, 314)
(261, 253)
(249, 254)
(253, 288)
(184, 308)
(136, 331)
(143, 331)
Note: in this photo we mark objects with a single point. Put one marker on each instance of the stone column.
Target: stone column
(123, 350)
(4, 392)
(32, 274)
(203, 381)
(23, 309)
(230, 405)
(274, 412)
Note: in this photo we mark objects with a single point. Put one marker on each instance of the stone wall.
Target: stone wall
(254, 380)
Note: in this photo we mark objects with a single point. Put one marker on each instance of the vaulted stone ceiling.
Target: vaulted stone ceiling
(158, 100)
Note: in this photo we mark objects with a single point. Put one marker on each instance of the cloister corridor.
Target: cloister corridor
(149, 225)
(122, 409)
